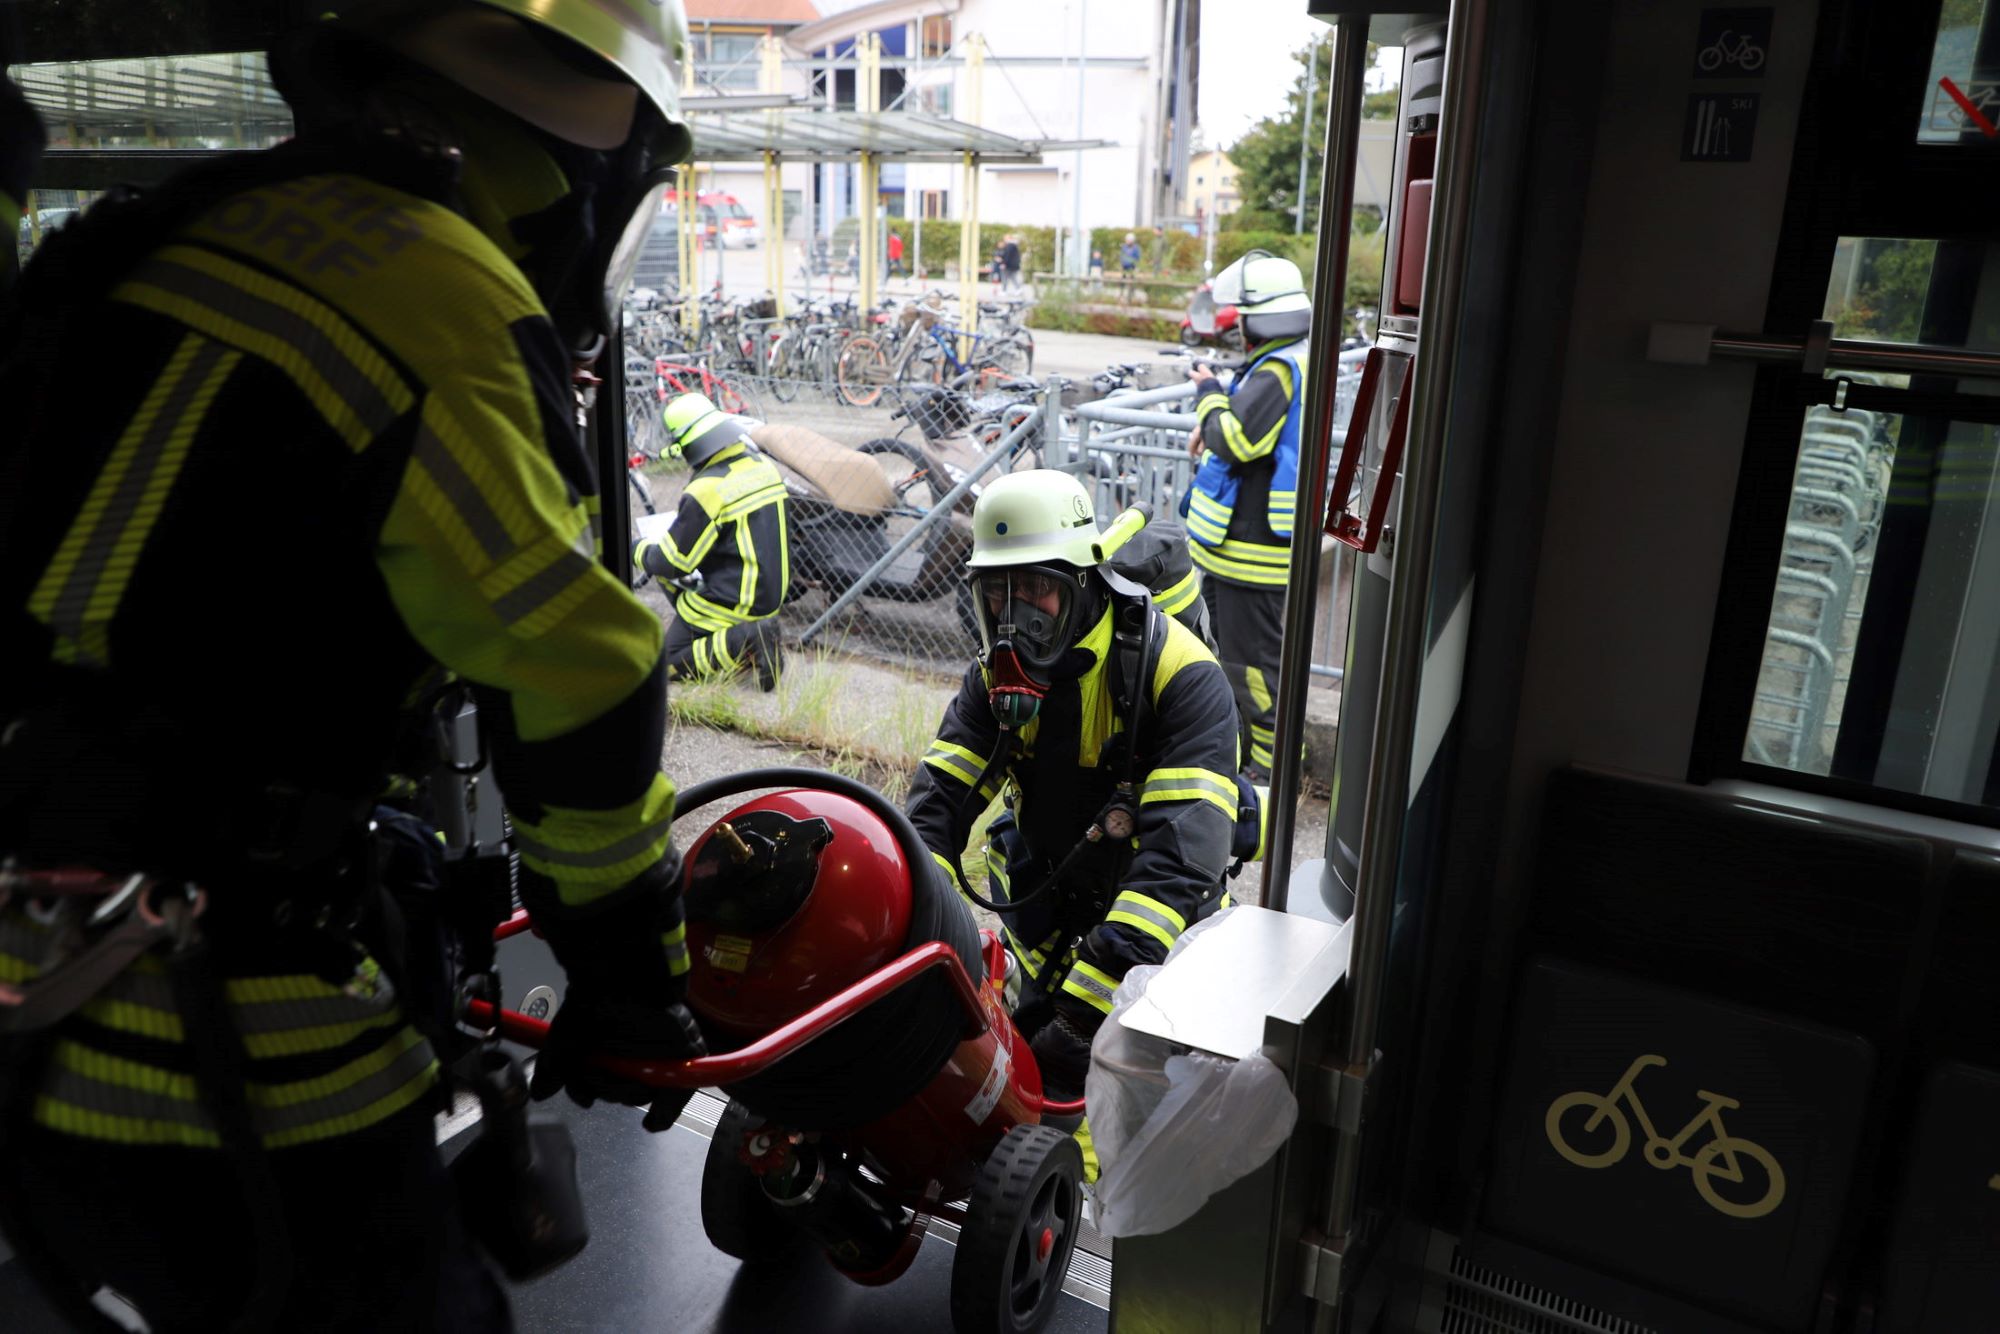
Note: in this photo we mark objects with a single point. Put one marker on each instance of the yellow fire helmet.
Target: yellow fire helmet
(1034, 518)
(500, 50)
(698, 430)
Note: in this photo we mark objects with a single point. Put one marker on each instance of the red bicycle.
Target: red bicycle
(651, 382)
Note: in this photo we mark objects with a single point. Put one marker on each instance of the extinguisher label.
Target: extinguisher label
(730, 953)
(988, 1097)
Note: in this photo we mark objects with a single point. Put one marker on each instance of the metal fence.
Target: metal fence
(882, 493)
(1838, 491)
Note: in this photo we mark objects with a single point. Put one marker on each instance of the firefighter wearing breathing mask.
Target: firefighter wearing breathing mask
(1108, 732)
(214, 1100)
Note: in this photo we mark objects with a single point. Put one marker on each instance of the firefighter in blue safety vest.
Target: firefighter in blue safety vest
(727, 552)
(1106, 730)
(346, 414)
(1240, 510)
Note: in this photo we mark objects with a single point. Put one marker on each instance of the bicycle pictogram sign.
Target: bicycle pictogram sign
(1738, 49)
(1721, 1160)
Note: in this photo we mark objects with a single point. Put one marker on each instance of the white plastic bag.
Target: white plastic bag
(1172, 1128)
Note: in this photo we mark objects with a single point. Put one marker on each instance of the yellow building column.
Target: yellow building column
(868, 98)
(684, 215)
(968, 226)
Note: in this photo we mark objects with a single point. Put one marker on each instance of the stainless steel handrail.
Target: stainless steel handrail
(1695, 344)
(1336, 203)
(1858, 354)
(1386, 809)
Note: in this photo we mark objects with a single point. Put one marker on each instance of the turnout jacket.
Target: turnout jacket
(730, 527)
(339, 460)
(1241, 507)
(1130, 902)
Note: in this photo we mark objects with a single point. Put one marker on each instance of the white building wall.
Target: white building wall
(1119, 105)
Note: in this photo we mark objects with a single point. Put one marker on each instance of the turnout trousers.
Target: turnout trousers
(1249, 624)
(375, 1238)
(696, 655)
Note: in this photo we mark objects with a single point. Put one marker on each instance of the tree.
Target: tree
(1267, 156)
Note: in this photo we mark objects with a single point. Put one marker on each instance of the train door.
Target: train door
(1664, 805)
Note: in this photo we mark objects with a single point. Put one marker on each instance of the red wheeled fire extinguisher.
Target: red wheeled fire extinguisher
(874, 1084)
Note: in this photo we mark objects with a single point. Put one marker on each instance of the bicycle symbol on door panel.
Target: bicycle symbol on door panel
(1720, 1162)
(1731, 49)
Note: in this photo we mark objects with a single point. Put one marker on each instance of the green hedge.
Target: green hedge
(1183, 252)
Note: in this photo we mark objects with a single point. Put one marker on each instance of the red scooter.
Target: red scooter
(1207, 322)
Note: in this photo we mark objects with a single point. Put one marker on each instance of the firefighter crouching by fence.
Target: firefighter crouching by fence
(340, 462)
(1108, 731)
(1240, 507)
(727, 553)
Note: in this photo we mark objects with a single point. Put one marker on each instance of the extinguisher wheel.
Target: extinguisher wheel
(1020, 1231)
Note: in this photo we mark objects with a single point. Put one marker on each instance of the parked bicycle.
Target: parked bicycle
(926, 350)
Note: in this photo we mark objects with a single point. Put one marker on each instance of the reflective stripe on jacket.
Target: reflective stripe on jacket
(1241, 506)
(344, 420)
(731, 526)
(1170, 874)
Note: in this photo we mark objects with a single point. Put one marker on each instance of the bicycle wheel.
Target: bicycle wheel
(1016, 354)
(1601, 1109)
(784, 384)
(642, 417)
(1706, 1173)
(737, 398)
(644, 491)
(861, 371)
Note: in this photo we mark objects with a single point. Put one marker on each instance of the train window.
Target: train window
(1862, 474)
(1962, 99)
(204, 103)
(199, 102)
(1879, 670)
(1881, 288)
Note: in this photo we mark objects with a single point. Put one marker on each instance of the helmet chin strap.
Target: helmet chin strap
(1015, 694)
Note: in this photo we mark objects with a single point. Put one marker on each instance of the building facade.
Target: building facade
(1212, 184)
(1134, 92)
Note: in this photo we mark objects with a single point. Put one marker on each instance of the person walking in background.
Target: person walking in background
(1096, 269)
(1010, 263)
(895, 253)
(1128, 263)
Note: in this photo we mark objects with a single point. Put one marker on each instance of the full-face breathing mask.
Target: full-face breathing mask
(1027, 617)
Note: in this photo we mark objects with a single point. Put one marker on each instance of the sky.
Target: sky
(1246, 62)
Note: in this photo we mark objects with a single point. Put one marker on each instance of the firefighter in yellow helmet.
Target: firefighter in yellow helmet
(346, 415)
(727, 552)
(1106, 729)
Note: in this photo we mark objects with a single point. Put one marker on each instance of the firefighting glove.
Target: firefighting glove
(626, 960)
(589, 1027)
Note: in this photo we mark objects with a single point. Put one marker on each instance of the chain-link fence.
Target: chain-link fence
(883, 475)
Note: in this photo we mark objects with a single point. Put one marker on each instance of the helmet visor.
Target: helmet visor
(1030, 607)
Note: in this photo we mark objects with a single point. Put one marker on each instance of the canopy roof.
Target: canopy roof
(110, 118)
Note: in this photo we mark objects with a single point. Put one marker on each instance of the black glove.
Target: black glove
(1062, 1052)
(625, 998)
(589, 1024)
